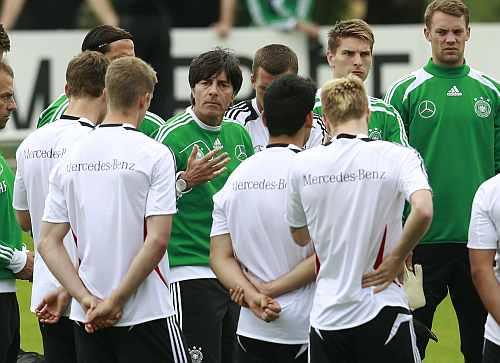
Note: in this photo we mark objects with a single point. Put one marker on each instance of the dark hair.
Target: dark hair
(287, 102)
(4, 40)
(212, 63)
(85, 74)
(275, 59)
(99, 38)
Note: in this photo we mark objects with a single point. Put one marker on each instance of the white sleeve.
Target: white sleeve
(56, 210)
(482, 231)
(295, 215)
(219, 218)
(20, 199)
(412, 175)
(161, 199)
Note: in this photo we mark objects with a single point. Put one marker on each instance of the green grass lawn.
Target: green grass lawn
(445, 326)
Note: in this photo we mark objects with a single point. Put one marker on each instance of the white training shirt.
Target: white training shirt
(36, 157)
(248, 115)
(484, 233)
(351, 194)
(250, 207)
(105, 187)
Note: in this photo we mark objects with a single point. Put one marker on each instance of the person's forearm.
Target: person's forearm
(302, 274)
(227, 10)
(229, 273)
(104, 11)
(59, 263)
(142, 265)
(488, 289)
(417, 223)
(10, 12)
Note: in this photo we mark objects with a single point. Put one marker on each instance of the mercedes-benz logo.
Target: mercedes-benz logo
(426, 109)
(240, 152)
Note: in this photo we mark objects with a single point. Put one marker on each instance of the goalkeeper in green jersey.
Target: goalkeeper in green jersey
(114, 43)
(207, 149)
(350, 47)
(15, 262)
(452, 114)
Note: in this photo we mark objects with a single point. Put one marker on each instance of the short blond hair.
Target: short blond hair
(344, 99)
(127, 79)
(351, 28)
(450, 7)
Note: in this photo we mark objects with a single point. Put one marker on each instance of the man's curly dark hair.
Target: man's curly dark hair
(4, 40)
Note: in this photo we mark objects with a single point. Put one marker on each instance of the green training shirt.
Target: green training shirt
(190, 238)
(384, 124)
(10, 233)
(282, 15)
(452, 116)
(149, 125)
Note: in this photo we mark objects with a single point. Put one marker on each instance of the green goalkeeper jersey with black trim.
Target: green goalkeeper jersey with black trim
(10, 233)
(385, 122)
(452, 116)
(149, 125)
(190, 237)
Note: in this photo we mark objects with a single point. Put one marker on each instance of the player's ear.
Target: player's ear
(427, 34)
(66, 90)
(309, 120)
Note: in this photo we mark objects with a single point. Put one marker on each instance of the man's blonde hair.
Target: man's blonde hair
(344, 99)
(450, 7)
(127, 79)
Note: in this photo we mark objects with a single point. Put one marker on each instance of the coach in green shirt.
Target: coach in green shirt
(207, 149)
(14, 262)
(452, 114)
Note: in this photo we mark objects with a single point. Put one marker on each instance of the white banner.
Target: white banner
(39, 59)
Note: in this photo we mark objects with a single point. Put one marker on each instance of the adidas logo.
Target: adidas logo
(454, 91)
(217, 144)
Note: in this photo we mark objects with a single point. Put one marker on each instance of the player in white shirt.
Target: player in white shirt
(36, 157)
(484, 253)
(270, 62)
(116, 190)
(348, 197)
(263, 246)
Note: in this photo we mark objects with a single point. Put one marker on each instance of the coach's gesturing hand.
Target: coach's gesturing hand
(201, 170)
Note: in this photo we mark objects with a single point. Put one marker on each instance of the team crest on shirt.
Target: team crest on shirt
(196, 354)
(482, 107)
(240, 152)
(203, 149)
(375, 134)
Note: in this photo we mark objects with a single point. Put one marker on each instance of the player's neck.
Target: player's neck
(86, 108)
(123, 117)
(353, 127)
(297, 139)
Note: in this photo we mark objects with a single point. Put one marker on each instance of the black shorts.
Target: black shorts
(59, 341)
(259, 351)
(157, 341)
(9, 327)
(491, 352)
(208, 319)
(383, 339)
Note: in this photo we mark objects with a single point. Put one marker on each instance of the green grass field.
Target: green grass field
(445, 326)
